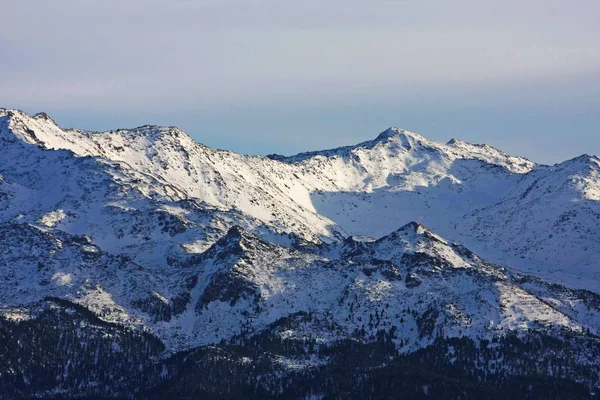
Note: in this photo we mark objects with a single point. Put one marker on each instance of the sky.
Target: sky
(267, 76)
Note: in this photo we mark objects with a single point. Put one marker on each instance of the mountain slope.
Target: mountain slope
(466, 192)
(273, 314)
(190, 253)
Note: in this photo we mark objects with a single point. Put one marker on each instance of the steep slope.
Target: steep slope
(412, 281)
(123, 210)
(513, 212)
(401, 176)
(167, 165)
(292, 310)
(37, 264)
(548, 224)
(508, 209)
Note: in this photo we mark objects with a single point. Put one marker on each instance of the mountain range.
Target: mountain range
(138, 262)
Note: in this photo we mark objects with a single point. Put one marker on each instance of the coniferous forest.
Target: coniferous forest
(65, 351)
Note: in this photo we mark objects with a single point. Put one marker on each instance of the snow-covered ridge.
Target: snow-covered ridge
(325, 195)
(404, 140)
(148, 228)
(245, 283)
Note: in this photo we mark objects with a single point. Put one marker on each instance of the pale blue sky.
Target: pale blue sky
(268, 76)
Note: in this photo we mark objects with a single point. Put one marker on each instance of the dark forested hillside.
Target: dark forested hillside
(65, 352)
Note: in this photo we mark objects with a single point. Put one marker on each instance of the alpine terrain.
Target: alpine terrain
(140, 264)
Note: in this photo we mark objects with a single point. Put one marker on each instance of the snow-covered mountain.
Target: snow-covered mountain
(149, 230)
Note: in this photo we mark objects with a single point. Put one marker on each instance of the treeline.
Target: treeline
(66, 353)
(265, 366)
(64, 350)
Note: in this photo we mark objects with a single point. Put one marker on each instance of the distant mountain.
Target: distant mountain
(284, 276)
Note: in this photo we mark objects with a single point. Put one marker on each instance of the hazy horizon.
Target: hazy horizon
(265, 77)
(267, 152)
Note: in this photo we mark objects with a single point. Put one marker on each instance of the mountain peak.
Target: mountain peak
(44, 116)
(585, 158)
(394, 131)
(390, 133)
(412, 231)
(413, 227)
(417, 231)
(241, 240)
(455, 142)
(406, 138)
(236, 232)
(582, 162)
